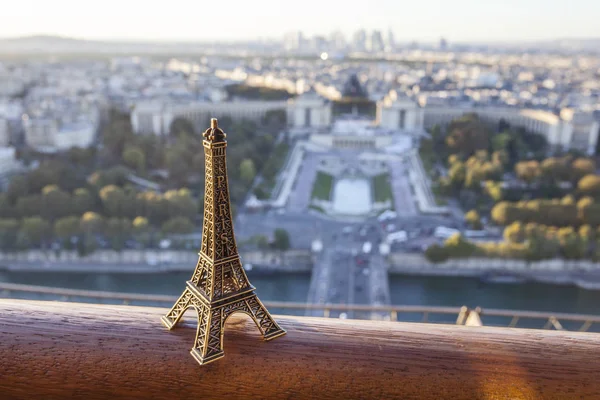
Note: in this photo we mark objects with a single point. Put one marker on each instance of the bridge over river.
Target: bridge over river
(344, 274)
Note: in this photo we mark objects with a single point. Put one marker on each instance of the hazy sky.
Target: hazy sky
(457, 20)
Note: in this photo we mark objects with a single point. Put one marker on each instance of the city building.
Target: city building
(355, 133)
(390, 42)
(582, 129)
(155, 117)
(48, 135)
(569, 130)
(9, 165)
(294, 41)
(4, 132)
(309, 110)
(375, 42)
(10, 85)
(359, 40)
(398, 111)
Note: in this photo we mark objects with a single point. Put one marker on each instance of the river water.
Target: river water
(405, 290)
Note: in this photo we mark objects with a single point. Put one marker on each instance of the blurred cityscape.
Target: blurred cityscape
(362, 169)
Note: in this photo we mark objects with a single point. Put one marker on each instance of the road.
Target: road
(404, 201)
(344, 274)
(302, 227)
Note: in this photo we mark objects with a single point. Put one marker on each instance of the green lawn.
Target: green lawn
(317, 208)
(271, 169)
(322, 187)
(382, 188)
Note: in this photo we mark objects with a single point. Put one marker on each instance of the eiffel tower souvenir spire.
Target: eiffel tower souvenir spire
(219, 286)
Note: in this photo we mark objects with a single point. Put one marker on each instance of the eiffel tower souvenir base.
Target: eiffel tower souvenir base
(219, 286)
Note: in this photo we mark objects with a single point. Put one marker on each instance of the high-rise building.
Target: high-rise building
(390, 42)
(337, 40)
(294, 41)
(359, 40)
(375, 41)
(443, 44)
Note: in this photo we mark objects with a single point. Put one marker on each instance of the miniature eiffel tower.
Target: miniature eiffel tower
(219, 286)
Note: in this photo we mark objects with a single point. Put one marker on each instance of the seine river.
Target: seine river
(405, 290)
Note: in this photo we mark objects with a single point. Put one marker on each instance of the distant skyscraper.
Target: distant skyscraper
(443, 44)
(337, 40)
(375, 41)
(359, 40)
(319, 43)
(294, 41)
(390, 43)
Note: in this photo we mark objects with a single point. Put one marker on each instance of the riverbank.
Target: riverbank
(584, 274)
(146, 261)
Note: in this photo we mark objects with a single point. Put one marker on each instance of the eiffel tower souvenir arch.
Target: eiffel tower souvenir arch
(219, 286)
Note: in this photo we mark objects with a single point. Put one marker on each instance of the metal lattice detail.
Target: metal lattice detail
(261, 316)
(219, 286)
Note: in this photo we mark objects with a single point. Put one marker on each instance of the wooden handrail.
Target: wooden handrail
(73, 350)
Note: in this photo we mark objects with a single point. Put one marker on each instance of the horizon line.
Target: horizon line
(279, 39)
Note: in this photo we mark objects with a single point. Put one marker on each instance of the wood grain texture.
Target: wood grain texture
(67, 350)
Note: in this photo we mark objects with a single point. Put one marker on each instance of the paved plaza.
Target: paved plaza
(404, 201)
(352, 196)
(299, 198)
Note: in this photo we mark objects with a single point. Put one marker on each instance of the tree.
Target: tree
(457, 174)
(6, 208)
(113, 176)
(528, 171)
(66, 228)
(178, 225)
(568, 200)
(494, 190)
(141, 230)
(54, 172)
(181, 127)
(82, 201)
(117, 133)
(458, 247)
(436, 253)
(262, 242)
(467, 135)
(113, 201)
(177, 165)
(585, 202)
(247, 170)
(589, 185)
(135, 158)
(35, 230)
(55, 203)
(501, 142)
(555, 169)
(572, 246)
(17, 188)
(500, 157)
(472, 218)
(590, 215)
(81, 157)
(281, 239)
(514, 233)
(9, 228)
(582, 167)
(586, 233)
(29, 206)
(504, 213)
(91, 223)
(154, 206)
(140, 225)
(118, 229)
(180, 203)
